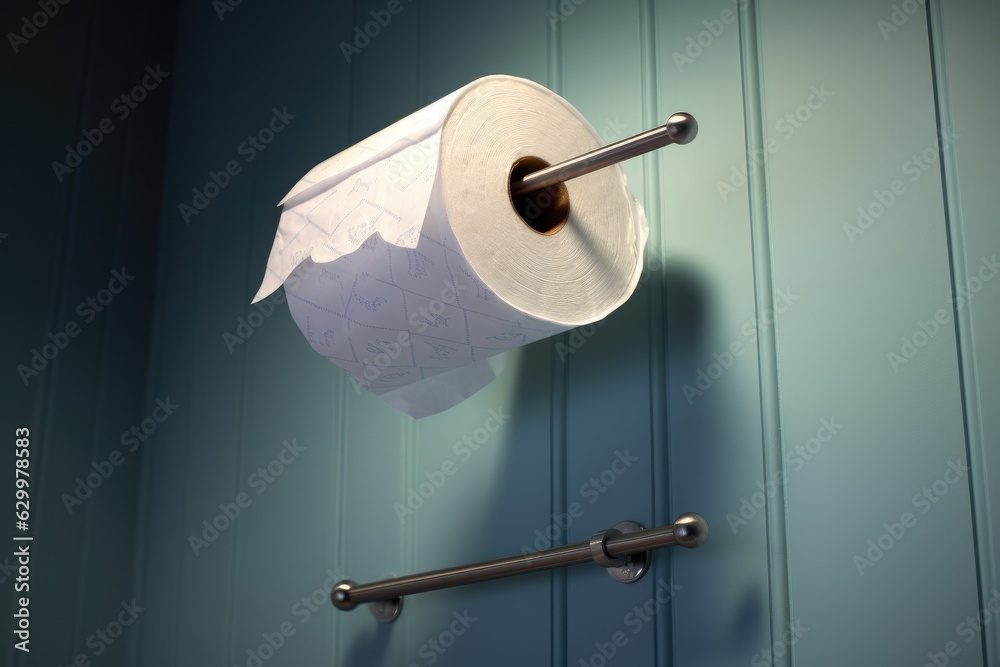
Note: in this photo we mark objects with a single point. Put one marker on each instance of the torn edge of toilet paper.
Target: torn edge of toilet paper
(339, 203)
(374, 196)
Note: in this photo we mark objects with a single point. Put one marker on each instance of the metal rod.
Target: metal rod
(680, 128)
(607, 548)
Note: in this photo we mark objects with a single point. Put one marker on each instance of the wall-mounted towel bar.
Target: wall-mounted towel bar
(624, 550)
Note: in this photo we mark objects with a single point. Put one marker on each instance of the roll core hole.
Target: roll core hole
(545, 211)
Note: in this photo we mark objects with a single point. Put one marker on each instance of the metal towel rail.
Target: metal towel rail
(624, 550)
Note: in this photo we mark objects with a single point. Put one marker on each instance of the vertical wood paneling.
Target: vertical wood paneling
(558, 444)
(61, 241)
(655, 251)
(214, 444)
(604, 82)
(714, 421)
(725, 252)
(499, 494)
(767, 353)
(60, 413)
(963, 36)
(859, 296)
(376, 456)
(289, 397)
(166, 464)
(145, 32)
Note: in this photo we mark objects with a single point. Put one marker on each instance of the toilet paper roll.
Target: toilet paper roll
(406, 263)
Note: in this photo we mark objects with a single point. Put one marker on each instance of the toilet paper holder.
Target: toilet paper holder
(681, 128)
(625, 551)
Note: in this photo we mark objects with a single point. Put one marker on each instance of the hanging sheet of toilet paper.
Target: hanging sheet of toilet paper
(405, 263)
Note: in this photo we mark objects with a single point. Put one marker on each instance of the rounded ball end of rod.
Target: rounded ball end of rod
(682, 128)
(341, 596)
(690, 530)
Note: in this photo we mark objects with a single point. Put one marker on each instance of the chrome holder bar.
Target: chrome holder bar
(624, 550)
(680, 128)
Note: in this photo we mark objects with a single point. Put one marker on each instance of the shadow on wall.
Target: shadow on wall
(698, 452)
(532, 402)
(372, 646)
(696, 447)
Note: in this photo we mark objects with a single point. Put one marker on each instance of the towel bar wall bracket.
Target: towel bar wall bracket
(625, 551)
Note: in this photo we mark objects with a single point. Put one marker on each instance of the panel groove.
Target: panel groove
(559, 496)
(409, 477)
(409, 480)
(975, 444)
(558, 504)
(659, 473)
(341, 477)
(757, 190)
(559, 442)
(341, 413)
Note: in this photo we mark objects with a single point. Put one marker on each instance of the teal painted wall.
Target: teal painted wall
(74, 353)
(810, 361)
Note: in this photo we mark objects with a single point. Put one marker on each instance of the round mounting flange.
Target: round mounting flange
(635, 566)
(386, 611)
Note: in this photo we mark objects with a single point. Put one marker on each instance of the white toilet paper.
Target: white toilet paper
(406, 264)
